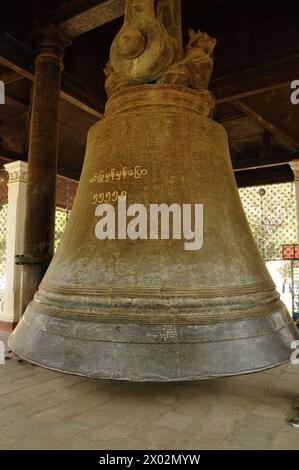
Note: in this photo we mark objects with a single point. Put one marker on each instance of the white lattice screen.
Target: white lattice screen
(271, 213)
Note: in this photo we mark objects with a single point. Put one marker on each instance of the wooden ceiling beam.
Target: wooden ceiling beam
(78, 17)
(9, 156)
(19, 59)
(261, 176)
(252, 163)
(260, 80)
(257, 81)
(10, 77)
(281, 136)
(20, 103)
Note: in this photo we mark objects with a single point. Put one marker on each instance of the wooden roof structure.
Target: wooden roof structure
(256, 59)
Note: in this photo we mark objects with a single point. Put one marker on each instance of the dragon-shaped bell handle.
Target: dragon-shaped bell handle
(144, 48)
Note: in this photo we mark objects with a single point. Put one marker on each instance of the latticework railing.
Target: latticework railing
(3, 237)
(271, 213)
(61, 217)
(66, 191)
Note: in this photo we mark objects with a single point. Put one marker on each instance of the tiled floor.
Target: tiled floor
(41, 409)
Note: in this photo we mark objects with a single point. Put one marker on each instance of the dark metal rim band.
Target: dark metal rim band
(164, 333)
(152, 353)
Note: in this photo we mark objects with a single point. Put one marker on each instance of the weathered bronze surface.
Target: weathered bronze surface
(147, 309)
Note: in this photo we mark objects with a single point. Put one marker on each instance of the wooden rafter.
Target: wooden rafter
(10, 77)
(257, 81)
(283, 137)
(19, 59)
(228, 89)
(79, 17)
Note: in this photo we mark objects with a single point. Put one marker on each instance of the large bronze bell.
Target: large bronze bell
(147, 309)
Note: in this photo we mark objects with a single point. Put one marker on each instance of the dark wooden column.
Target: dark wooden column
(42, 161)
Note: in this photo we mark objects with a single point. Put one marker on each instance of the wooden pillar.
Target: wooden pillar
(42, 162)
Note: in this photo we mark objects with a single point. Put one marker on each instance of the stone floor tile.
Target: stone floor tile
(45, 409)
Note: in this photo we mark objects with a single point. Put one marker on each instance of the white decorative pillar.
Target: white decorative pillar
(295, 167)
(17, 172)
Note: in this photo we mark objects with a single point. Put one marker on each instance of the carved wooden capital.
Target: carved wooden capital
(51, 43)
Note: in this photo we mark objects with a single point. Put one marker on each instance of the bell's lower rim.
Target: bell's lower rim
(155, 379)
(160, 353)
